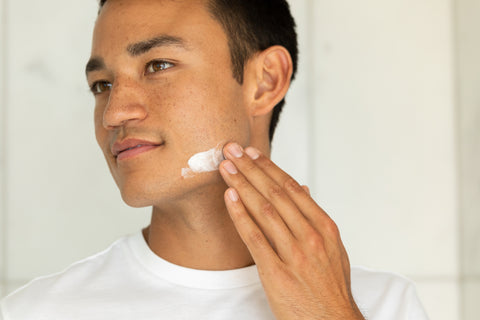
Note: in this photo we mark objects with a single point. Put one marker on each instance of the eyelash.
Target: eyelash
(94, 88)
(162, 64)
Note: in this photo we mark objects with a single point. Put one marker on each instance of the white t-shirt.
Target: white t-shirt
(128, 281)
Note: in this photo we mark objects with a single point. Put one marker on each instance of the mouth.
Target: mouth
(130, 148)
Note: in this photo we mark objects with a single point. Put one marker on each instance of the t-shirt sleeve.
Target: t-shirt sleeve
(416, 310)
(386, 296)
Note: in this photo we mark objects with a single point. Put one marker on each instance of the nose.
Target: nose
(126, 104)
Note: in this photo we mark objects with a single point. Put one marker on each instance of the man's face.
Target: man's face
(162, 76)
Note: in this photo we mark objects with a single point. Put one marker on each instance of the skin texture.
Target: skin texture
(188, 106)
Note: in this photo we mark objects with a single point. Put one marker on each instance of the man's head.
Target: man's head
(167, 84)
(253, 26)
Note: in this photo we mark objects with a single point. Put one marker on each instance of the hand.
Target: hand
(300, 257)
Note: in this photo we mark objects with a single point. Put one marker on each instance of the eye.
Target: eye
(100, 87)
(157, 65)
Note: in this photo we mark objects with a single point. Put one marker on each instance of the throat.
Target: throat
(206, 240)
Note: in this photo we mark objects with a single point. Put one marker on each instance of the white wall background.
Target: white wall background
(468, 114)
(383, 123)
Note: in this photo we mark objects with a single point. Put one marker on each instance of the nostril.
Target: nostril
(117, 115)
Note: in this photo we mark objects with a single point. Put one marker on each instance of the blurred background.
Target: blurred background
(383, 124)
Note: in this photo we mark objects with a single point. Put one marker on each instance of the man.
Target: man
(175, 81)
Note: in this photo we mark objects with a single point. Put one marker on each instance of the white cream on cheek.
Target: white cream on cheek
(204, 162)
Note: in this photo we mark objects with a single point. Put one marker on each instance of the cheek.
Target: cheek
(202, 103)
(214, 119)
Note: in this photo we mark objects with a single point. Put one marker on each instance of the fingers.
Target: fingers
(300, 195)
(262, 212)
(279, 207)
(266, 199)
(252, 236)
(306, 188)
(291, 200)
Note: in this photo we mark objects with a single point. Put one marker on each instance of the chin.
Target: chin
(136, 202)
(135, 198)
(140, 195)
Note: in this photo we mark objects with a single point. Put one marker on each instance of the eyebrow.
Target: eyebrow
(139, 48)
(94, 64)
(142, 47)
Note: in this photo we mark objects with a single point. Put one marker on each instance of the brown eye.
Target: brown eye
(158, 65)
(100, 87)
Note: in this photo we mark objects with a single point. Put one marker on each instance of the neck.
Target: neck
(197, 232)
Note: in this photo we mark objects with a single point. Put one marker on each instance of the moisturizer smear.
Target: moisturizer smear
(204, 162)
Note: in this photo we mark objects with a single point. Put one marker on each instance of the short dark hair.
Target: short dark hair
(253, 26)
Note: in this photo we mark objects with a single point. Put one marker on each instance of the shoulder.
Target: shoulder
(385, 295)
(49, 291)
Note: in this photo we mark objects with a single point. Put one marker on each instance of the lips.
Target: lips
(129, 148)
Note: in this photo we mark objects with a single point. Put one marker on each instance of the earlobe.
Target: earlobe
(272, 70)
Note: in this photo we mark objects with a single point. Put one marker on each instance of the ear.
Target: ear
(268, 77)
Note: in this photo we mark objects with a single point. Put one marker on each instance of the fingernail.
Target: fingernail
(235, 150)
(233, 195)
(230, 167)
(253, 153)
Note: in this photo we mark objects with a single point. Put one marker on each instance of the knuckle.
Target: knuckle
(315, 241)
(331, 229)
(268, 210)
(293, 186)
(256, 238)
(275, 191)
(266, 163)
(238, 215)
